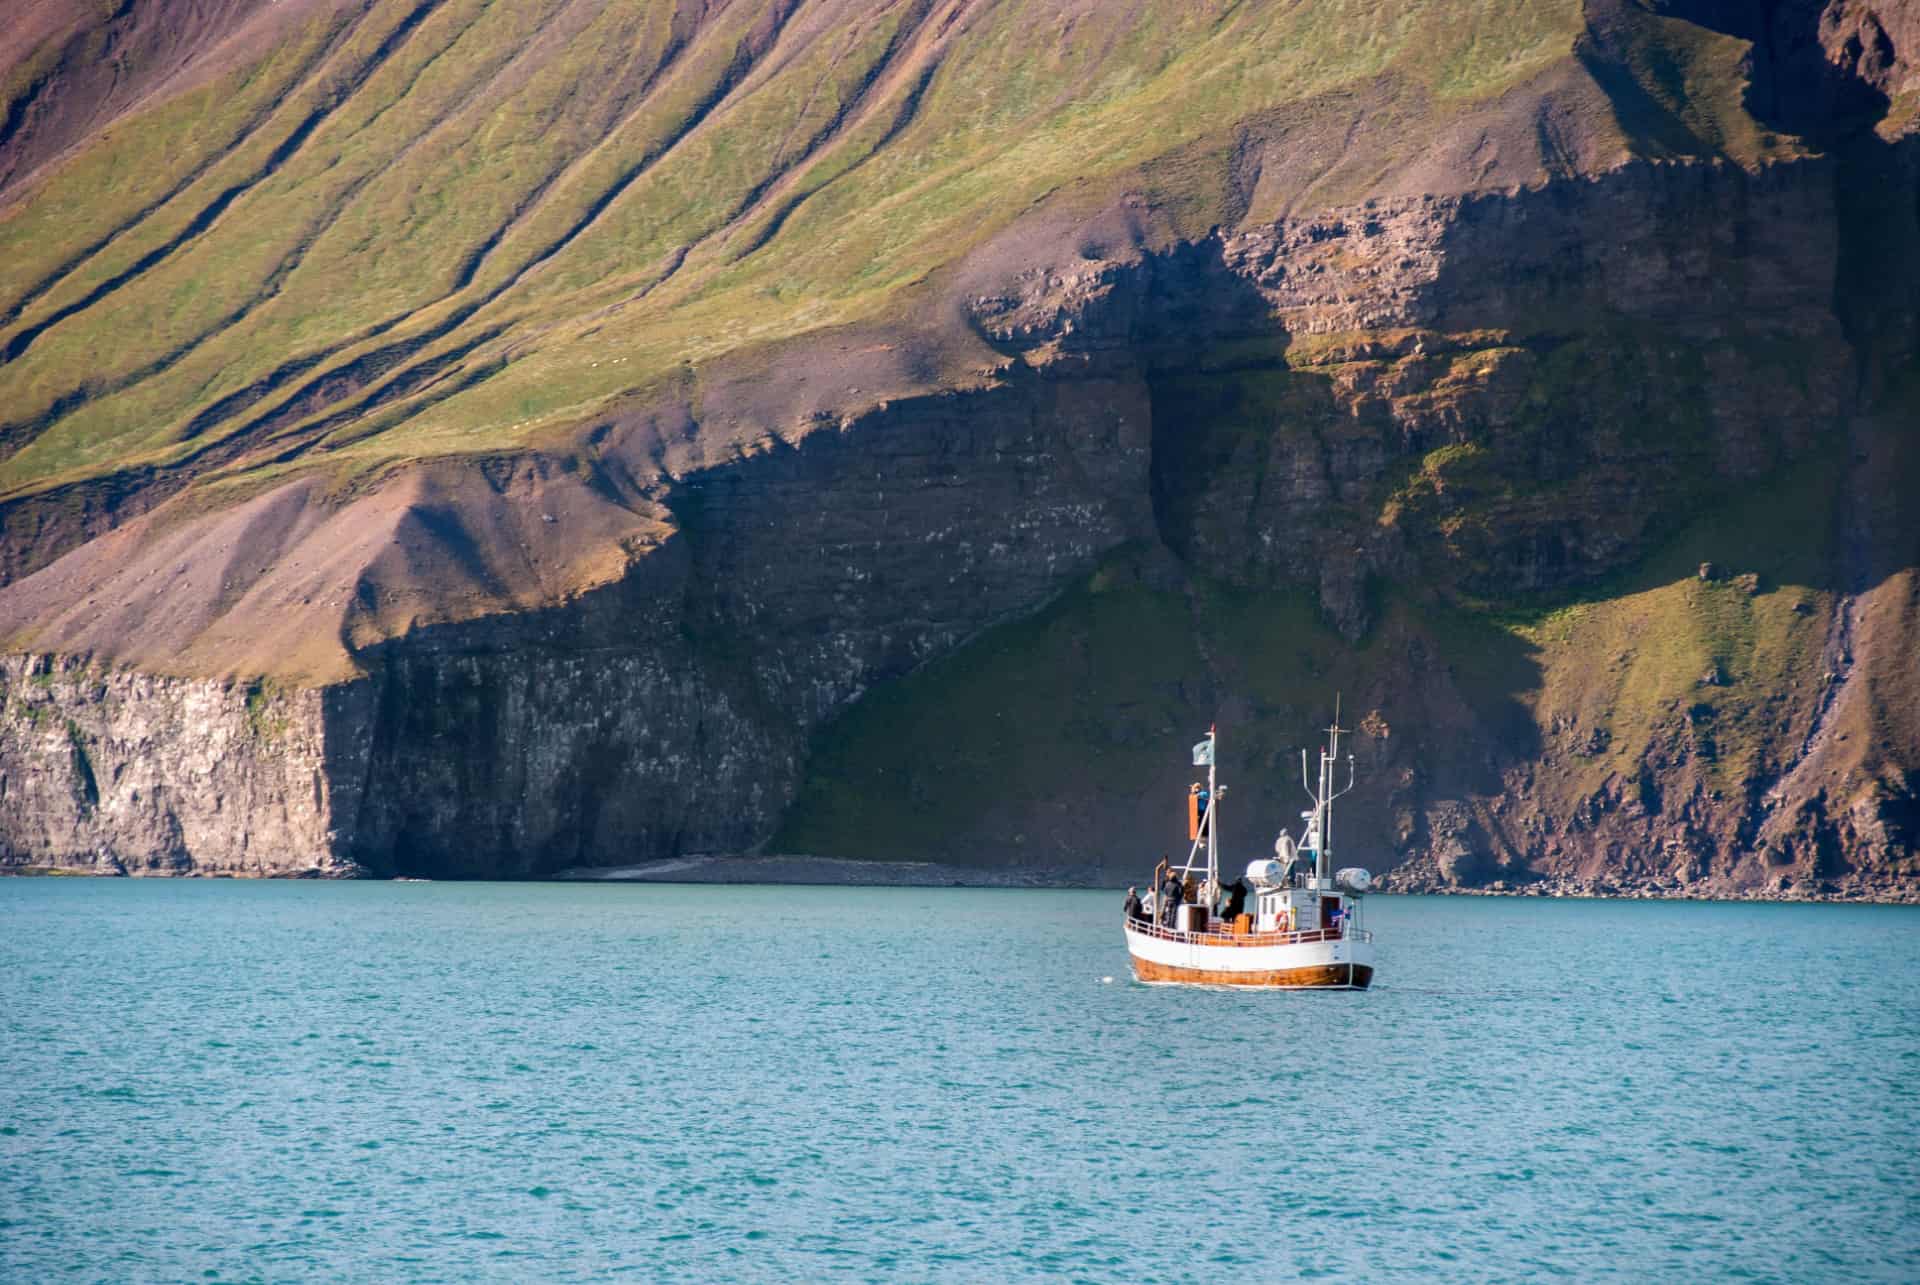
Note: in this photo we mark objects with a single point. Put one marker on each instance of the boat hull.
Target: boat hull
(1206, 959)
(1342, 977)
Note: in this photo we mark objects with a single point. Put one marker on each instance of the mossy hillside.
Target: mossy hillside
(1082, 698)
(552, 209)
(822, 275)
(1719, 669)
(181, 293)
(267, 715)
(153, 166)
(1615, 435)
(270, 280)
(1091, 698)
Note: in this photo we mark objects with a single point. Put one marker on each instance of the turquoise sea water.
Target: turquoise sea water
(408, 1082)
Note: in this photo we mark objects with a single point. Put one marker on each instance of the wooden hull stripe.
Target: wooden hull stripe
(1354, 976)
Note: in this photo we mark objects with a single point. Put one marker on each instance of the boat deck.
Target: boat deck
(1210, 937)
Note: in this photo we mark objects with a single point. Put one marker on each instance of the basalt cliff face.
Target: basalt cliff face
(856, 433)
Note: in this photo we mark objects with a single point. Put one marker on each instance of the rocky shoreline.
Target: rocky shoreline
(1578, 891)
(842, 872)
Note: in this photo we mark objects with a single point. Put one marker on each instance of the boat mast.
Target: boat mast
(1323, 823)
(1213, 807)
(1328, 757)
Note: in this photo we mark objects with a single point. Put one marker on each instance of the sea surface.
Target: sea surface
(446, 1082)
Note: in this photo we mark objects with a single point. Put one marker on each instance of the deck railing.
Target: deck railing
(1209, 937)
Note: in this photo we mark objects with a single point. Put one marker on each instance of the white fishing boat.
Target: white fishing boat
(1302, 929)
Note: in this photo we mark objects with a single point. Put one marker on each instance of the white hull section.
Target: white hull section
(1330, 962)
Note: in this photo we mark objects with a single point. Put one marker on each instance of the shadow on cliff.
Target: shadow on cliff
(1797, 84)
(1822, 71)
(1267, 479)
(665, 713)
(1727, 243)
(519, 744)
(668, 713)
(1260, 583)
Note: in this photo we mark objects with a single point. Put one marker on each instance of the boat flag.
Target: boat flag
(1203, 753)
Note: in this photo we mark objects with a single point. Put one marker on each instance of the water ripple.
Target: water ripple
(492, 1082)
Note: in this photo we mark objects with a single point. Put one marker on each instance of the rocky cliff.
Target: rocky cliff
(1552, 400)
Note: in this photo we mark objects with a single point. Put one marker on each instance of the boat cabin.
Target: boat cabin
(1291, 910)
(1293, 894)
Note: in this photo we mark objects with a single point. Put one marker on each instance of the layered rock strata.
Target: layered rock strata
(121, 772)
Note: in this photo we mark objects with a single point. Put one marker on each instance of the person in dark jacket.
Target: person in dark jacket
(1236, 897)
(1171, 895)
(1134, 914)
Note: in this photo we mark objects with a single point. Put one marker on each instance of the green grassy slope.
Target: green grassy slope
(512, 216)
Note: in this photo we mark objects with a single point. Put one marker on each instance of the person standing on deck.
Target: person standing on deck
(1171, 895)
